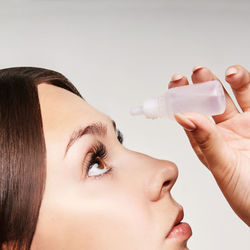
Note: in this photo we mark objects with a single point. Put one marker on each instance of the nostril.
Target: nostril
(166, 183)
(162, 181)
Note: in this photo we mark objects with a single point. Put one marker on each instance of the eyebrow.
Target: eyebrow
(98, 129)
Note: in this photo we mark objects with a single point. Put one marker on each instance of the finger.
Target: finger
(177, 80)
(217, 155)
(196, 148)
(202, 74)
(189, 126)
(239, 80)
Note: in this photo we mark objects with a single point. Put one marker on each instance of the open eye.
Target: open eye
(97, 168)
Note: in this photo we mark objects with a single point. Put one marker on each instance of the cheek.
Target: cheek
(96, 218)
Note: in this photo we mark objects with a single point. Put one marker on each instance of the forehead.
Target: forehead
(62, 111)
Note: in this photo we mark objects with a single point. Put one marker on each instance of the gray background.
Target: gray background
(118, 53)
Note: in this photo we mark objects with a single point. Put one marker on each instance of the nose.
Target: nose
(156, 177)
(163, 177)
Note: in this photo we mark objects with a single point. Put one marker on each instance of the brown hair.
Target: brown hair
(22, 152)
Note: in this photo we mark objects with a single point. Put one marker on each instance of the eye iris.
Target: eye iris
(100, 163)
(97, 168)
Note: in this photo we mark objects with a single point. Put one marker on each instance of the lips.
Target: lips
(180, 230)
(179, 217)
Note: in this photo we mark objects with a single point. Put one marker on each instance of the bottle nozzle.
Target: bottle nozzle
(136, 110)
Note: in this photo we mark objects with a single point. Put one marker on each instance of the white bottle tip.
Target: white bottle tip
(136, 110)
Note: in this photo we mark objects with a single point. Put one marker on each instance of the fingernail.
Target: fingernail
(176, 77)
(185, 122)
(231, 71)
(197, 68)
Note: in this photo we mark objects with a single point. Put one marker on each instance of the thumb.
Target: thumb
(206, 135)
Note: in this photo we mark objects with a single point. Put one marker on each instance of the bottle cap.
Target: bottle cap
(150, 109)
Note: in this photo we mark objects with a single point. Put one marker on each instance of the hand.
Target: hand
(223, 146)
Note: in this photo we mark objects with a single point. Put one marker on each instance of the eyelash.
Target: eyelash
(98, 150)
(120, 136)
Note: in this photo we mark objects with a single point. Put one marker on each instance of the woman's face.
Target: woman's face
(99, 195)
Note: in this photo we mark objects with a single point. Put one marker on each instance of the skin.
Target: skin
(223, 146)
(131, 208)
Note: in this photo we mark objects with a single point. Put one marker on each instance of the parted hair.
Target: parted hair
(22, 152)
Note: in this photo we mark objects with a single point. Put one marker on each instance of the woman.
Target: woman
(66, 180)
(66, 177)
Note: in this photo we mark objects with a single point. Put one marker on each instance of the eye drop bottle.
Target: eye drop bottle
(206, 98)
